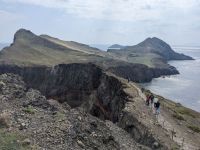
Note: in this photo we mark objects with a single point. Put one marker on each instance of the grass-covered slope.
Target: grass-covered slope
(30, 49)
(152, 52)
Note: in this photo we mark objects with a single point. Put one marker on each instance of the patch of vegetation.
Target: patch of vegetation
(175, 148)
(185, 111)
(178, 116)
(4, 120)
(29, 110)
(178, 104)
(194, 128)
(10, 141)
(60, 116)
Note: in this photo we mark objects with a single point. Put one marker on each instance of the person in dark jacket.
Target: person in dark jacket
(151, 101)
(157, 107)
(148, 99)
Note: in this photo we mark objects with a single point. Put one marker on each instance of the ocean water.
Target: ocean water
(185, 87)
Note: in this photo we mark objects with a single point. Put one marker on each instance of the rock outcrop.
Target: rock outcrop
(46, 124)
(141, 73)
(79, 85)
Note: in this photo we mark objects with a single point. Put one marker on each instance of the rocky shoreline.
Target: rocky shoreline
(140, 73)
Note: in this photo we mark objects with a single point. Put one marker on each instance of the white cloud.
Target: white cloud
(9, 17)
(120, 10)
(127, 21)
(10, 22)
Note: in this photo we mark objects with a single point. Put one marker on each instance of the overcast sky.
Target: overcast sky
(104, 21)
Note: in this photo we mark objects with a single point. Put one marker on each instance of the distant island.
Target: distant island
(115, 47)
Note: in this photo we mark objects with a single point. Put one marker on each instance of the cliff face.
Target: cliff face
(141, 73)
(30, 121)
(82, 85)
(88, 88)
(88, 98)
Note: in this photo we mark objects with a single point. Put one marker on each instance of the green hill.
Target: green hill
(152, 52)
(30, 49)
(140, 63)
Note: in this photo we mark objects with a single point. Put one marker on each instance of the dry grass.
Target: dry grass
(178, 116)
(12, 141)
(29, 110)
(5, 120)
(194, 128)
(185, 111)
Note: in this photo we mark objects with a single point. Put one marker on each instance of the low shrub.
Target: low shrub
(185, 111)
(194, 128)
(178, 116)
(4, 120)
(10, 141)
(29, 110)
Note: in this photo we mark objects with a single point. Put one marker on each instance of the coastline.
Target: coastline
(182, 88)
(183, 121)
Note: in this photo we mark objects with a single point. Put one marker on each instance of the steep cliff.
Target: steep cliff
(28, 120)
(82, 85)
(93, 91)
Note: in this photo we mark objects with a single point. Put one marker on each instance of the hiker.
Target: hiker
(128, 79)
(152, 100)
(157, 107)
(148, 99)
(142, 89)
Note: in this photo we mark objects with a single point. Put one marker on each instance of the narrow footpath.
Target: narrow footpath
(165, 120)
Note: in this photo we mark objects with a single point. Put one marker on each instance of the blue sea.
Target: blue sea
(185, 87)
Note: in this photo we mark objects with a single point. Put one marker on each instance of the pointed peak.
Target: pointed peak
(153, 40)
(23, 34)
(23, 31)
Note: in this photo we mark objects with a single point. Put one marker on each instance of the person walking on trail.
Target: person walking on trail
(153, 104)
(157, 108)
(152, 101)
(148, 99)
(142, 90)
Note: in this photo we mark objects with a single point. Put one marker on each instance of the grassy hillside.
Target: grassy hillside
(29, 49)
(152, 52)
(75, 45)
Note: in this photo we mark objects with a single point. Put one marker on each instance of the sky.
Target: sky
(125, 22)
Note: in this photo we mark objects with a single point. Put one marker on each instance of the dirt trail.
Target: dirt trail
(166, 121)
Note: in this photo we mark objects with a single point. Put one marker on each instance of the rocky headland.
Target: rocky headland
(140, 63)
(58, 94)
